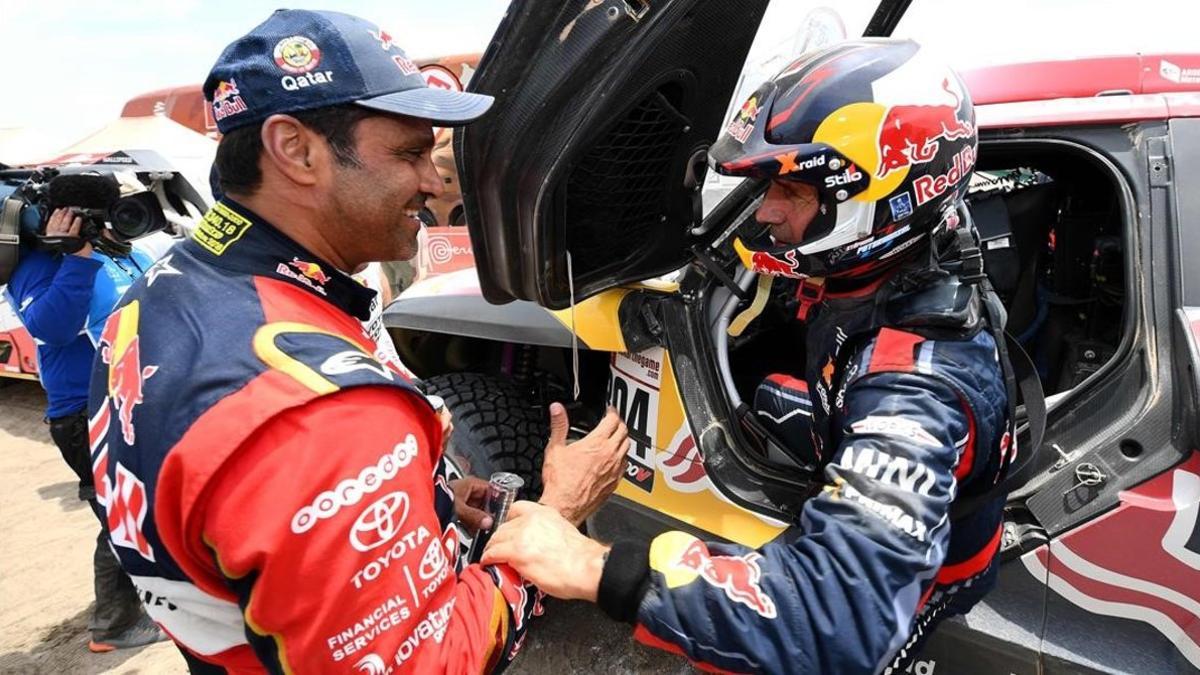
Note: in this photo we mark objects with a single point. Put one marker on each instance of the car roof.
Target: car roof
(1108, 89)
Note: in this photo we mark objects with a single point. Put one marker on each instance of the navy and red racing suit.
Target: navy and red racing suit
(903, 418)
(278, 496)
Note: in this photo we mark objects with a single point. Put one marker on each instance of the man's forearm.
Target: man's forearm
(572, 512)
(60, 312)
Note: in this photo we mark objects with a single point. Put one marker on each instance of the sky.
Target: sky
(80, 60)
(85, 58)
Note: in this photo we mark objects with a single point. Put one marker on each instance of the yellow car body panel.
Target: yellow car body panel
(669, 475)
(665, 471)
(596, 320)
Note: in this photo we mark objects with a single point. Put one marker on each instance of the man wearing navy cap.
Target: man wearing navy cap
(279, 495)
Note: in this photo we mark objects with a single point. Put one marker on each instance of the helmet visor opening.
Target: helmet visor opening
(833, 174)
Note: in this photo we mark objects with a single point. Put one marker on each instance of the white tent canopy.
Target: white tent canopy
(189, 152)
(29, 145)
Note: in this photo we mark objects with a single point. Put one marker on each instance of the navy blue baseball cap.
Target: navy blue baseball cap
(299, 60)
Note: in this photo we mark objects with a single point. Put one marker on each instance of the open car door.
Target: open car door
(590, 162)
(587, 171)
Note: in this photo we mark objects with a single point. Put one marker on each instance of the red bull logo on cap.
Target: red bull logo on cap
(120, 350)
(225, 90)
(227, 101)
(385, 39)
(738, 576)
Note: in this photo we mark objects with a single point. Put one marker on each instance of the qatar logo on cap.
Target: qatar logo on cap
(297, 54)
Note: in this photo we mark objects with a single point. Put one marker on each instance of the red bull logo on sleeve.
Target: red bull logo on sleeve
(120, 350)
(738, 576)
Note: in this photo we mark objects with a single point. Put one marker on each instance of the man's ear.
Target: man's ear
(293, 149)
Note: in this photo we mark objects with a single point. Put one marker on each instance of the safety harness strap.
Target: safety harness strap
(1019, 375)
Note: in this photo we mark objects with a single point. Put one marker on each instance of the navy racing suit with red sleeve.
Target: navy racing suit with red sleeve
(278, 495)
(908, 411)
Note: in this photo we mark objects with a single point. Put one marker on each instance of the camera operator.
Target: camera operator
(63, 293)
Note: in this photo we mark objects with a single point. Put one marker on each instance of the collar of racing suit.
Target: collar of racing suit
(234, 238)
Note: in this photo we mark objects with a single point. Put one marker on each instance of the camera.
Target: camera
(128, 193)
(96, 197)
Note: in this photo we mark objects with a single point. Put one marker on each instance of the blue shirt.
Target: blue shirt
(64, 300)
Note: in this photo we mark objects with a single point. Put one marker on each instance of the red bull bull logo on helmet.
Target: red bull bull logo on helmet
(911, 134)
(738, 576)
(743, 122)
(784, 265)
(120, 350)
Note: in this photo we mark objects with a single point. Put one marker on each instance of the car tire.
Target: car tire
(496, 427)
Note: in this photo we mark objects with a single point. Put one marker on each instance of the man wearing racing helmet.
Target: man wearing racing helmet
(868, 148)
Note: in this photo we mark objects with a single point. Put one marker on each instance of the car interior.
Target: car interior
(1050, 223)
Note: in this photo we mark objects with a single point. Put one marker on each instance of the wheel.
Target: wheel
(427, 217)
(496, 427)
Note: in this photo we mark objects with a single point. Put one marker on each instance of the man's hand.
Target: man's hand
(548, 551)
(64, 223)
(470, 497)
(577, 478)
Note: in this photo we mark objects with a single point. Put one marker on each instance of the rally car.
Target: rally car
(618, 285)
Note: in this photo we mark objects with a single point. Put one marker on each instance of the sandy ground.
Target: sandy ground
(46, 577)
(46, 560)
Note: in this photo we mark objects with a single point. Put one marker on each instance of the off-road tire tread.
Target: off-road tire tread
(496, 428)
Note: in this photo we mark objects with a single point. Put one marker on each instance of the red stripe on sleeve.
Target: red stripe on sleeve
(651, 640)
(973, 565)
(787, 381)
(894, 351)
